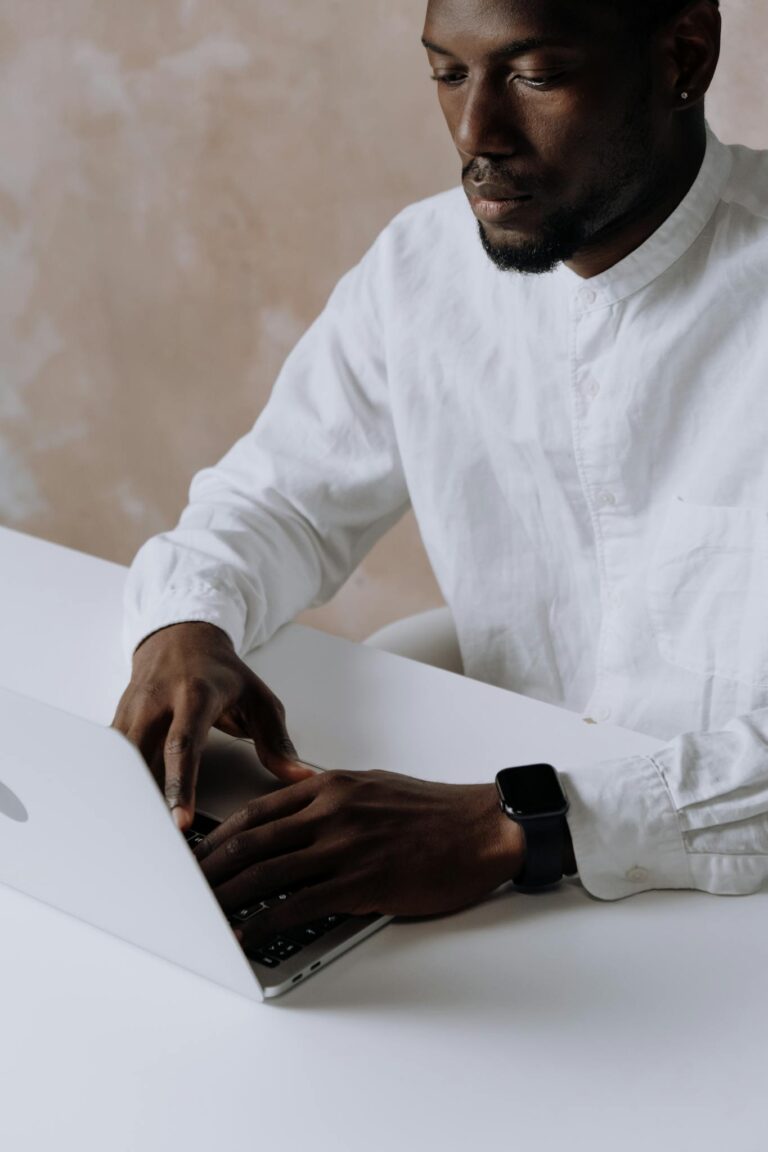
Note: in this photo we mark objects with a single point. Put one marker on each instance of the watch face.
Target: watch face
(531, 790)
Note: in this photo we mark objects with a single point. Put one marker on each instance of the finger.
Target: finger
(148, 735)
(290, 770)
(273, 806)
(274, 746)
(125, 711)
(192, 721)
(271, 878)
(238, 854)
(121, 718)
(302, 908)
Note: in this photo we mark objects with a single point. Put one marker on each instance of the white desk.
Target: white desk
(551, 1022)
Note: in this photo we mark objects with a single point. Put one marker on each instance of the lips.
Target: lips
(495, 208)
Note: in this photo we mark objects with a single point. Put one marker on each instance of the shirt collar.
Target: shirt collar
(667, 244)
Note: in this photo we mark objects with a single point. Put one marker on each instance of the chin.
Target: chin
(511, 234)
(532, 253)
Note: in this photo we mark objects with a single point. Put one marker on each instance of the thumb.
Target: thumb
(265, 718)
(275, 748)
(283, 761)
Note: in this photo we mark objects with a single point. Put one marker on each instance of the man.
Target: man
(562, 368)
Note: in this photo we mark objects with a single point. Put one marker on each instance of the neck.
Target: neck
(626, 234)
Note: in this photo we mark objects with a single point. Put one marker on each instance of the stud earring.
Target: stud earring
(684, 95)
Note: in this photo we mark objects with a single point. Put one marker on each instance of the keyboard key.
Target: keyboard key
(263, 958)
(282, 948)
(193, 838)
(244, 914)
(307, 934)
(273, 901)
(318, 926)
(333, 921)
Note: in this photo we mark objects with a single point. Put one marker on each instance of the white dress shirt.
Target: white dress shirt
(588, 464)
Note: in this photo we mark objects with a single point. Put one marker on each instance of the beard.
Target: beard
(561, 237)
(568, 230)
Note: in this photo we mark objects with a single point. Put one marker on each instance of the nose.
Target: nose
(485, 124)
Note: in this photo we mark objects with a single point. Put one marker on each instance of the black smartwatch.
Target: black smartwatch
(532, 795)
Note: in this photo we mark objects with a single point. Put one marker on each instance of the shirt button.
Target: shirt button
(603, 713)
(606, 499)
(637, 875)
(587, 296)
(592, 388)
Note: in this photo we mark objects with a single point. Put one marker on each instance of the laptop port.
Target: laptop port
(296, 978)
(316, 965)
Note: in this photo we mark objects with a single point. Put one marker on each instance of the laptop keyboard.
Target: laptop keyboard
(286, 945)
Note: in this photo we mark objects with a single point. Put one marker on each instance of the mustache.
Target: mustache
(484, 172)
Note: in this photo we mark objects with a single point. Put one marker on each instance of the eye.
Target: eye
(541, 82)
(449, 79)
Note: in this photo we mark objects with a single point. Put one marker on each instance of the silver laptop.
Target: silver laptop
(83, 828)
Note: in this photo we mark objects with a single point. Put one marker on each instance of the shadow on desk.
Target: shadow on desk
(543, 955)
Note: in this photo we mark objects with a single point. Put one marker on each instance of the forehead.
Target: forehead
(488, 22)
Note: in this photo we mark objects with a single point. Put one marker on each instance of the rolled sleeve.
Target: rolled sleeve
(182, 609)
(625, 828)
(692, 815)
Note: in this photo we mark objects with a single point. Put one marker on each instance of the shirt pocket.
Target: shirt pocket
(707, 589)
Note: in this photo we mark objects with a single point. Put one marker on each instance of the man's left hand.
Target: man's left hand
(360, 843)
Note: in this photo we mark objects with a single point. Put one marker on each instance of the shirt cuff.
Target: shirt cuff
(223, 613)
(625, 830)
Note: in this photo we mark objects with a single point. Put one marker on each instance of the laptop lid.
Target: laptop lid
(83, 828)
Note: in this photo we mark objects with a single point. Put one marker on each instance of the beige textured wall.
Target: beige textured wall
(181, 184)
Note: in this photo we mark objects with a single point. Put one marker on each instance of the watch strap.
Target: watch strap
(544, 843)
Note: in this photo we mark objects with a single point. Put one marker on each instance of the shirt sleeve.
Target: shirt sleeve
(286, 516)
(692, 815)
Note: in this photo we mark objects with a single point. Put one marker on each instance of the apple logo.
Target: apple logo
(11, 806)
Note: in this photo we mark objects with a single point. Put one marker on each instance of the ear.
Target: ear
(691, 50)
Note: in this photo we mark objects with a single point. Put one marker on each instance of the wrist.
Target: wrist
(186, 631)
(509, 841)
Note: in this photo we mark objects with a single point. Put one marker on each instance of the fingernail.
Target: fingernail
(301, 771)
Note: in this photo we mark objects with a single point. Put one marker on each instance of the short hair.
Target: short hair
(645, 16)
(660, 10)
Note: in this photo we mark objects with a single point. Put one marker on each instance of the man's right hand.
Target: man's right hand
(186, 679)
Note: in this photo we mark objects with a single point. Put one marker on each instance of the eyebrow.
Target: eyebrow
(514, 48)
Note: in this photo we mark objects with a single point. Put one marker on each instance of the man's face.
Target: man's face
(551, 105)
